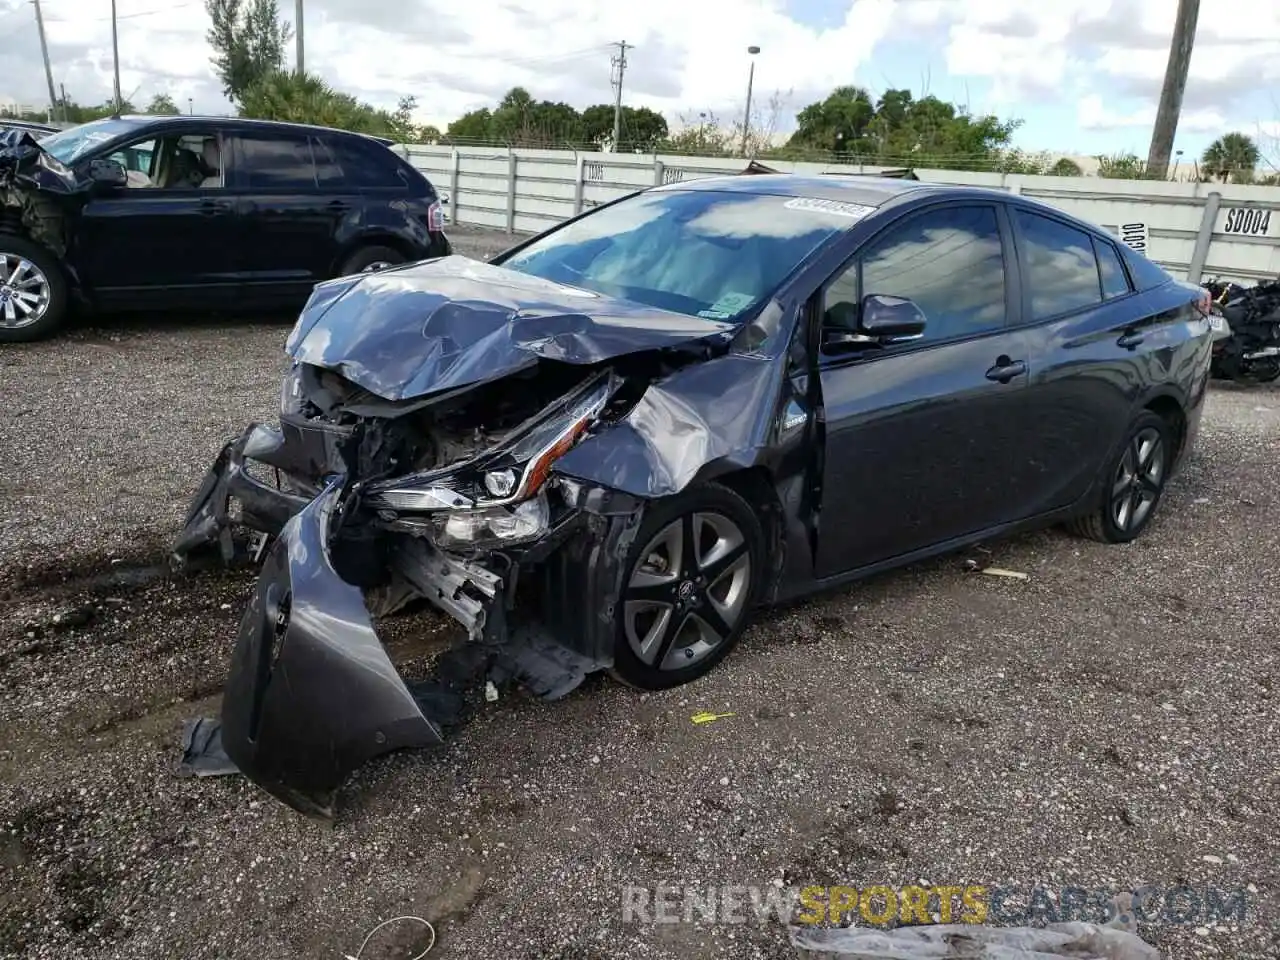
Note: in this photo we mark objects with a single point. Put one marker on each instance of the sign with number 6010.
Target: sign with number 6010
(1134, 235)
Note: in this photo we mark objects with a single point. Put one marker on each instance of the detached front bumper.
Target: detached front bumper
(312, 694)
(305, 451)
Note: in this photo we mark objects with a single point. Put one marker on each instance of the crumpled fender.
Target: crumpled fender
(702, 420)
(42, 189)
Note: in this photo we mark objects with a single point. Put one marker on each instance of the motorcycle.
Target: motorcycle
(1250, 353)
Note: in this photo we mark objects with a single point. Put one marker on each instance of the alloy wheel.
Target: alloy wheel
(1138, 480)
(688, 591)
(24, 292)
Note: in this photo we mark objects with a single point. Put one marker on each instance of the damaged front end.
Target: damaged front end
(456, 502)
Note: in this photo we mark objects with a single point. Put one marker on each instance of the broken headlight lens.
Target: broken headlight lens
(291, 401)
(491, 526)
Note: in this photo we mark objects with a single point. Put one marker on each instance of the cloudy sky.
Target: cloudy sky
(1084, 75)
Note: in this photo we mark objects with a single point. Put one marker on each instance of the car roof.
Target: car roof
(871, 191)
(868, 190)
(245, 123)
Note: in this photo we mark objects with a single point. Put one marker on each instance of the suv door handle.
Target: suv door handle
(213, 208)
(1006, 369)
(339, 206)
(1131, 340)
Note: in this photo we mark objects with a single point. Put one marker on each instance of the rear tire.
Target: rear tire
(1132, 483)
(692, 580)
(370, 259)
(40, 286)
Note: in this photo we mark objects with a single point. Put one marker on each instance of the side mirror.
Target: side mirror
(890, 319)
(108, 173)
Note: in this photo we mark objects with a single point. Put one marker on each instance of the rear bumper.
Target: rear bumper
(312, 694)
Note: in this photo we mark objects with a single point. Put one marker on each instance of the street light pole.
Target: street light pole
(746, 117)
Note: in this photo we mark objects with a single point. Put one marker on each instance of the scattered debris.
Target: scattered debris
(1001, 572)
(202, 753)
(706, 717)
(429, 933)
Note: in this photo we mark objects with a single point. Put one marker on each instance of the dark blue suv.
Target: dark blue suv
(204, 213)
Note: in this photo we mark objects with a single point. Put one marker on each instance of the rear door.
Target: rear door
(291, 226)
(1088, 332)
(921, 436)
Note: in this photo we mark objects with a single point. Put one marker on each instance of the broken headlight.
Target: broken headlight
(501, 498)
(291, 400)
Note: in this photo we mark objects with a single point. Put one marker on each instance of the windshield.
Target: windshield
(705, 253)
(69, 145)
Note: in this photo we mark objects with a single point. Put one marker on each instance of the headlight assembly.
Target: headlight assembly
(506, 478)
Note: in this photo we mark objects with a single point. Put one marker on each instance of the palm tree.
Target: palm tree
(1232, 154)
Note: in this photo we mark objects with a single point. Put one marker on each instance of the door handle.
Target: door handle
(212, 208)
(1006, 369)
(339, 206)
(1131, 340)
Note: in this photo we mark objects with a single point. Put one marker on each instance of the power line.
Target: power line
(620, 67)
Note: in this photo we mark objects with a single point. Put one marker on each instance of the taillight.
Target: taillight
(435, 217)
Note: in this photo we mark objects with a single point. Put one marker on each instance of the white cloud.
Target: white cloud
(1093, 114)
(1106, 55)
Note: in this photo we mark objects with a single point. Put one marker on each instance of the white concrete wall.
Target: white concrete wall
(530, 190)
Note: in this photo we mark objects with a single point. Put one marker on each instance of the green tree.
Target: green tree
(305, 98)
(642, 129)
(1122, 166)
(1065, 167)
(162, 105)
(472, 127)
(838, 124)
(248, 42)
(1232, 156)
(702, 135)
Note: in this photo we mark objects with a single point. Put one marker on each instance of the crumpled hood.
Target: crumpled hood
(454, 322)
(44, 192)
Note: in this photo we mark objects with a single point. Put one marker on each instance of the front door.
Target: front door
(921, 436)
(172, 234)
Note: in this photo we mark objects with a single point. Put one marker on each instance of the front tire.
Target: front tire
(1132, 483)
(692, 579)
(33, 291)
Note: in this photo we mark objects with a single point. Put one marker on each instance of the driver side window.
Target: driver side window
(949, 261)
(185, 162)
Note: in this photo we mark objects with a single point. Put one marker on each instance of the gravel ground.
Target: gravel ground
(1110, 722)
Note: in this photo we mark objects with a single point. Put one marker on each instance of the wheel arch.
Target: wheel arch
(1169, 406)
(375, 238)
(756, 485)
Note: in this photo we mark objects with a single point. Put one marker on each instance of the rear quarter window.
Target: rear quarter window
(354, 164)
(1146, 274)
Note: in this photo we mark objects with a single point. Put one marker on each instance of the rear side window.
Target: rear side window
(347, 162)
(277, 162)
(1114, 281)
(1062, 272)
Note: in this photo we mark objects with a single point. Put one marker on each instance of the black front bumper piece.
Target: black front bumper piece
(312, 694)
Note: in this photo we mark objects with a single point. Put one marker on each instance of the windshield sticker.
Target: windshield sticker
(730, 303)
(713, 315)
(854, 211)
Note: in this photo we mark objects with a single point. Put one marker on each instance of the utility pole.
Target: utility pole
(1175, 83)
(751, 77)
(44, 50)
(63, 101)
(115, 59)
(297, 36)
(620, 64)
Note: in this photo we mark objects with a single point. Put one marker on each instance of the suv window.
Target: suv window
(345, 161)
(1062, 272)
(277, 161)
(186, 161)
(949, 261)
(1114, 281)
